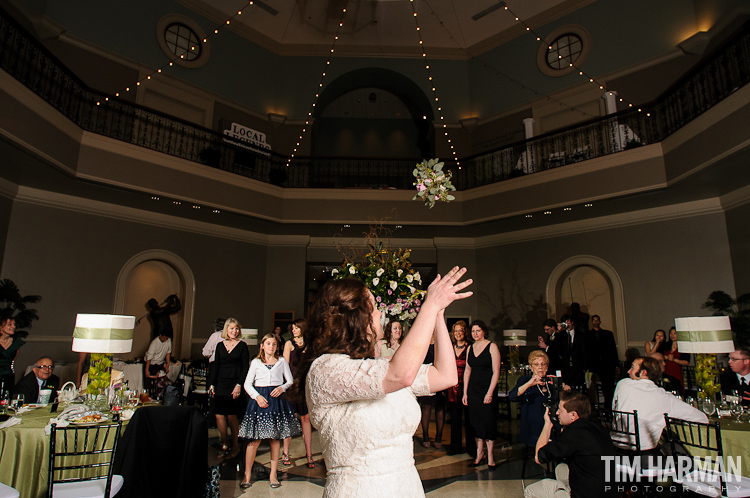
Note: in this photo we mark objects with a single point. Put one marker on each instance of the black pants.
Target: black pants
(459, 424)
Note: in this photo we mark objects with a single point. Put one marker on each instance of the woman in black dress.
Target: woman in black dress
(293, 353)
(480, 391)
(225, 378)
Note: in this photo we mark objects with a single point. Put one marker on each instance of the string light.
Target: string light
(320, 85)
(581, 72)
(245, 4)
(433, 86)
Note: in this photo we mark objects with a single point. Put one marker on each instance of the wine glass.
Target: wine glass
(736, 410)
(709, 407)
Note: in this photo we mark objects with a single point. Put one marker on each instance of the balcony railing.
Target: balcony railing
(33, 65)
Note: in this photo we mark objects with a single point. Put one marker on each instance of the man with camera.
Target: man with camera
(581, 444)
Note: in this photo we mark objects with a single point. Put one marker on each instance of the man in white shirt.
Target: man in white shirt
(640, 392)
(209, 350)
(158, 356)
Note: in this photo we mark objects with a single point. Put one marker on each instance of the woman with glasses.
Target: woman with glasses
(532, 391)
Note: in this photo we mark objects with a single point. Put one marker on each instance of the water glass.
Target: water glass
(736, 409)
(17, 402)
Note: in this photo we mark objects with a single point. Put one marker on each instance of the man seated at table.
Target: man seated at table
(582, 444)
(40, 377)
(668, 383)
(157, 359)
(641, 392)
(737, 378)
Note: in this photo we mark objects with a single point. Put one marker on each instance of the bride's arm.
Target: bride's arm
(408, 358)
(443, 373)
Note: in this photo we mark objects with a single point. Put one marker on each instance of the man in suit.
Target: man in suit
(577, 352)
(603, 357)
(556, 347)
(40, 377)
(738, 376)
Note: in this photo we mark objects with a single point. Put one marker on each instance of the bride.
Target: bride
(366, 408)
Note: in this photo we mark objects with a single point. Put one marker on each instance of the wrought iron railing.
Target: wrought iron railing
(33, 65)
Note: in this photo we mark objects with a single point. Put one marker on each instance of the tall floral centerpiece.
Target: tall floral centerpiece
(391, 279)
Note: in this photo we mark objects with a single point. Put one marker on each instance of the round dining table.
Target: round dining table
(24, 453)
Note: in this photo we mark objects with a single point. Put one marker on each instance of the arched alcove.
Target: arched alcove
(591, 269)
(344, 124)
(151, 274)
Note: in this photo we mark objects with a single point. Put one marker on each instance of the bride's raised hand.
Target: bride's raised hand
(444, 290)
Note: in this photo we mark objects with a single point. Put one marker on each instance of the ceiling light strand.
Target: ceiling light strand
(318, 89)
(170, 63)
(433, 85)
(581, 72)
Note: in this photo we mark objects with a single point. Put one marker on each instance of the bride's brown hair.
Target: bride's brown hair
(340, 322)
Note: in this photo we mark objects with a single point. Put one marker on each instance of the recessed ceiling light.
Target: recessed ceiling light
(347, 226)
(548, 212)
(568, 209)
(176, 203)
(529, 215)
(588, 205)
(154, 198)
(217, 211)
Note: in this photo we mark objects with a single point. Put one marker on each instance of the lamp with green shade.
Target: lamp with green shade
(102, 336)
(705, 336)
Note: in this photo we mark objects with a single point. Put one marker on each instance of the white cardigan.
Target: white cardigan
(262, 376)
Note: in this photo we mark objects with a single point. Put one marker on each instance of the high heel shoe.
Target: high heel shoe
(285, 459)
(477, 463)
(310, 463)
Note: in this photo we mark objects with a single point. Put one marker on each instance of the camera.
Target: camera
(562, 326)
(553, 385)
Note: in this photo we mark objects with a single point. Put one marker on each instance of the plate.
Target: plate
(88, 418)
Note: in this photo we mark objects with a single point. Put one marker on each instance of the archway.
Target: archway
(596, 285)
(157, 273)
(344, 121)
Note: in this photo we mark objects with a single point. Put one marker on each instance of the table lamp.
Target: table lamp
(249, 336)
(514, 338)
(102, 336)
(705, 336)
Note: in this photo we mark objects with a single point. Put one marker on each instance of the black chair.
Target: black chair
(503, 389)
(164, 452)
(702, 440)
(197, 374)
(80, 461)
(689, 386)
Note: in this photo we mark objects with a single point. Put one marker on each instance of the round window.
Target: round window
(564, 46)
(183, 41)
(564, 51)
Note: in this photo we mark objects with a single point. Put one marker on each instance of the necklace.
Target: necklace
(544, 392)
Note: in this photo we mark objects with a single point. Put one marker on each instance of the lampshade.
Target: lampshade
(514, 337)
(103, 333)
(249, 336)
(704, 334)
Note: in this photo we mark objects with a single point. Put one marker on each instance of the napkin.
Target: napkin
(57, 422)
(10, 422)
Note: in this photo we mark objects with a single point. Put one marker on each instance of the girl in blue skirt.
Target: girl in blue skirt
(268, 415)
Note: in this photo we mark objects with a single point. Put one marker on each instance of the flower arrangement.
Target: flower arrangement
(391, 279)
(432, 183)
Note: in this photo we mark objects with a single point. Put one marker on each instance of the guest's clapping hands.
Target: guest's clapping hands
(277, 392)
(444, 290)
(261, 401)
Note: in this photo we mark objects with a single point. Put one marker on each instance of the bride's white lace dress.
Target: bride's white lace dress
(366, 435)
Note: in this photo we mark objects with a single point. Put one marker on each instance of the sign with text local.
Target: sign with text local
(248, 135)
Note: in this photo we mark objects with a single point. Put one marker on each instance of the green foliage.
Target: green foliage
(738, 311)
(100, 373)
(432, 183)
(13, 304)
